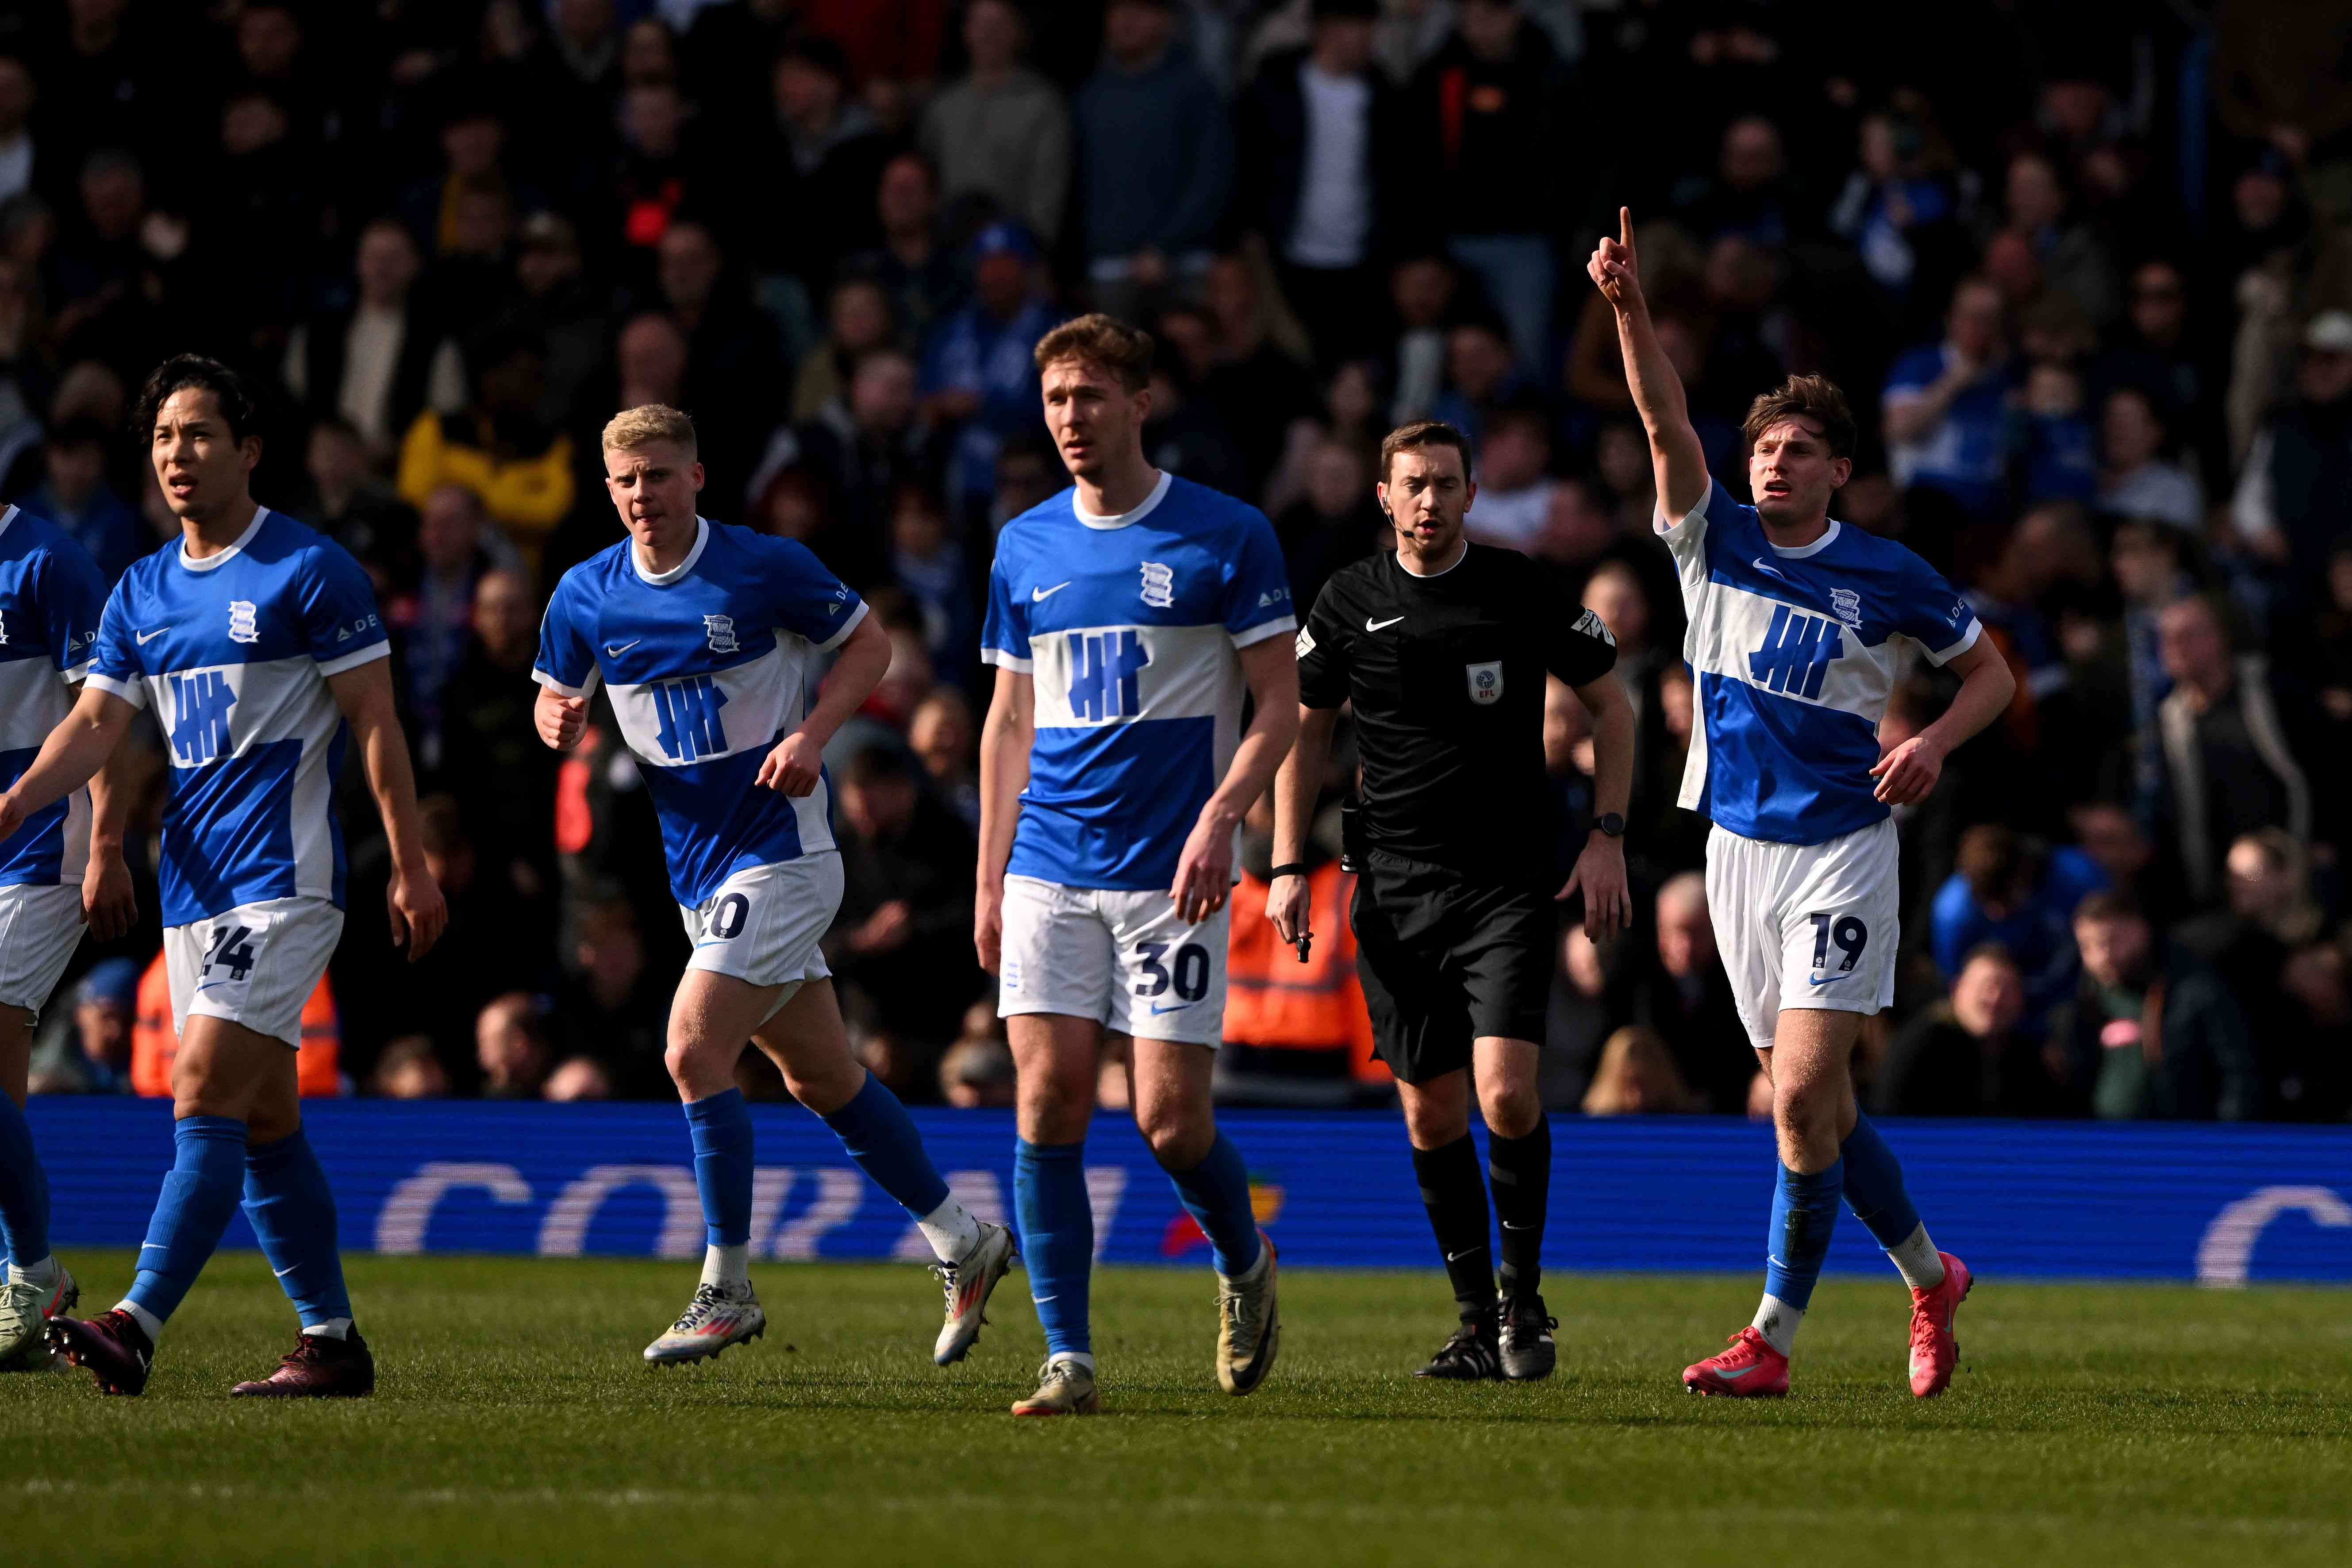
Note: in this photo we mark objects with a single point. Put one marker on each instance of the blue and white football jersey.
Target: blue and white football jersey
(233, 652)
(709, 665)
(1792, 654)
(1128, 626)
(51, 597)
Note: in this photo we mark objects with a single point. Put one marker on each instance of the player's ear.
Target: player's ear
(1469, 494)
(1841, 470)
(1380, 497)
(248, 452)
(698, 479)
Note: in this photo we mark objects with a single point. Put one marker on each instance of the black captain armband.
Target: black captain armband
(1287, 868)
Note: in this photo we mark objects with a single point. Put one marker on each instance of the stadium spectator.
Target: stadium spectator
(1944, 406)
(945, 739)
(613, 1004)
(1155, 160)
(857, 321)
(2018, 894)
(903, 936)
(514, 1045)
(349, 503)
(558, 302)
(825, 158)
(2150, 1031)
(976, 1073)
(577, 1078)
(977, 377)
(1683, 995)
(76, 494)
(2288, 506)
(2232, 742)
(1971, 1055)
(1000, 134)
(19, 154)
(1637, 1076)
(863, 446)
(1752, 193)
(1493, 133)
(518, 467)
(409, 1069)
(734, 365)
(920, 273)
(2271, 917)
(1515, 485)
(1334, 522)
(88, 1051)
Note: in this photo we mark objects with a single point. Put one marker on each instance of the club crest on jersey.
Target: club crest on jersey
(1158, 586)
(721, 630)
(1846, 605)
(240, 622)
(1486, 682)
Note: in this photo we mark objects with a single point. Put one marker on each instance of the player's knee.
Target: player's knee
(1511, 1110)
(1179, 1136)
(1432, 1122)
(1805, 1112)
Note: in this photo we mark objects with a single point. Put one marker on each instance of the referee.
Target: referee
(1443, 648)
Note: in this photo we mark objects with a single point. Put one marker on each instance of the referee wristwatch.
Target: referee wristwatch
(1610, 824)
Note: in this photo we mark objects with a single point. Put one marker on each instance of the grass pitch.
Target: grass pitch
(514, 1423)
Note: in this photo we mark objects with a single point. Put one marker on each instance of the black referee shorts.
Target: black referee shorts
(1445, 960)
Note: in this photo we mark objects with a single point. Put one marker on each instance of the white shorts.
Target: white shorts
(1805, 925)
(1123, 959)
(763, 924)
(256, 964)
(39, 929)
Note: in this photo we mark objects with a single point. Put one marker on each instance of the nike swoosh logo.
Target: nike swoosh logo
(1373, 625)
(290, 1268)
(1039, 595)
(612, 652)
(1768, 571)
(151, 1246)
(1824, 980)
(1458, 1257)
(1730, 1376)
(210, 983)
(146, 637)
(1156, 1009)
(1509, 1225)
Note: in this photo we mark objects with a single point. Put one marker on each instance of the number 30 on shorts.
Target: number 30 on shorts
(1847, 932)
(1191, 976)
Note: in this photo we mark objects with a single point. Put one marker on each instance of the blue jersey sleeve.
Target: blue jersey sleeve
(115, 668)
(1933, 614)
(341, 629)
(73, 597)
(567, 641)
(1258, 586)
(810, 602)
(1004, 635)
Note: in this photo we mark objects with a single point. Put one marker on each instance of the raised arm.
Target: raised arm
(411, 900)
(1005, 736)
(72, 755)
(1295, 785)
(1204, 872)
(1674, 452)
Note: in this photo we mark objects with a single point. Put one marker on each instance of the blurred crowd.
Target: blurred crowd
(2084, 270)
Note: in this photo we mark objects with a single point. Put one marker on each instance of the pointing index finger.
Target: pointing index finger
(1626, 227)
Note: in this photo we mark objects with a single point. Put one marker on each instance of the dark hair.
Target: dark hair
(1993, 857)
(240, 403)
(1814, 397)
(1988, 952)
(1105, 342)
(880, 764)
(81, 430)
(1419, 435)
(2109, 904)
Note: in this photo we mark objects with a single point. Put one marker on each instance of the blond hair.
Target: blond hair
(634, 428)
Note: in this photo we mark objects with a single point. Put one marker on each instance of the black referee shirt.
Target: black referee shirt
(1447, 676)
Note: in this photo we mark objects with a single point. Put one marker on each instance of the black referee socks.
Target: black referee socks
(1520, 1169)
(1456, 1200)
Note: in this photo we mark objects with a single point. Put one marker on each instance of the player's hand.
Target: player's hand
(1614, 267)
(560, 718)
(1600, 875)
(1909, 772)
(1290, 905)
(988, 927)
(109, 903)
(418, 910)
(12, 815)
(792, 767)
(1204, 872)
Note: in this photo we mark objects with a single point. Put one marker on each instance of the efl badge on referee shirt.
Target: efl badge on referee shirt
(1486, 682)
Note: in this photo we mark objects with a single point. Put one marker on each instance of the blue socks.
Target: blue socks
(880, 1136)
(721, 1128)
(1873, 1186)
(24, 1189)
(293, 1213)
(199, 1199)
(1217, 1193)
(1057, 1240)
(1804, 1212)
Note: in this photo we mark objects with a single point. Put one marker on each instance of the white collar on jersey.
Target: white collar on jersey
(664, 579)
(212, 561)
(1141, 510)
(1799, 552)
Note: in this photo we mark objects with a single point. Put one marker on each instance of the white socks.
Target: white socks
(729, 1268)
(42, 1275)
(147, 1320)
(333, 1329)
(1914, 1258)
(951, 1230)
(1778, 1322)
